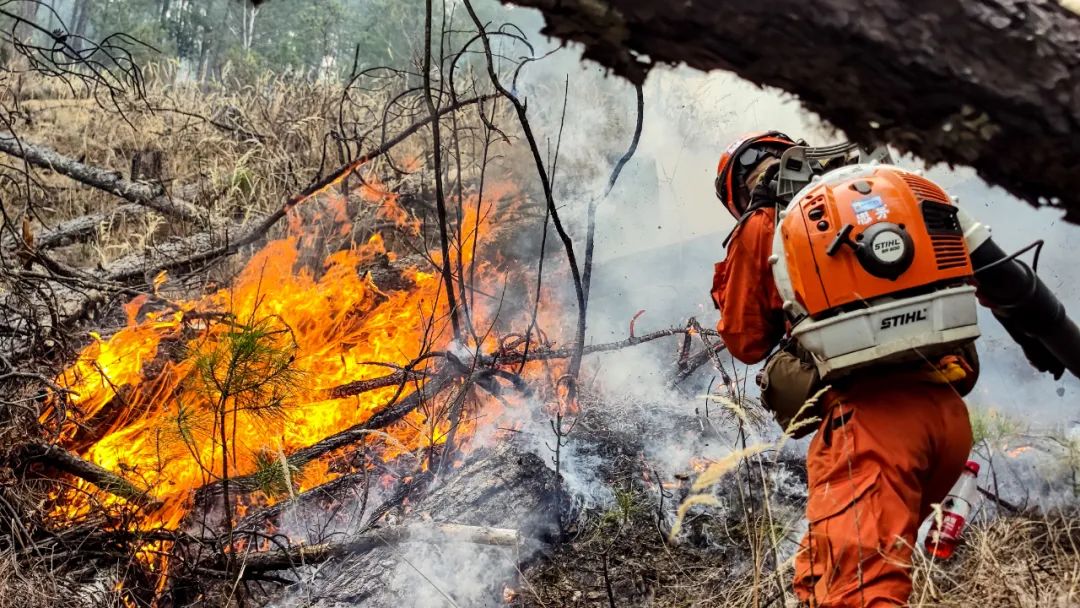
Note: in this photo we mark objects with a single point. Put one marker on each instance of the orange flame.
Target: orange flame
(1016, 452)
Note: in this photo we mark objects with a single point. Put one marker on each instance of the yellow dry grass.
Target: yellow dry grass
(229, 173)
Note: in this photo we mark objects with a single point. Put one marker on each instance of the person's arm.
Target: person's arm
(751, 313)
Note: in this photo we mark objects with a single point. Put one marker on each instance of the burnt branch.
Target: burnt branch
(362, 386)
(65, 461)
(440, 196)
(545, 181)
(394, 411)
(566, 353)
(82, 228)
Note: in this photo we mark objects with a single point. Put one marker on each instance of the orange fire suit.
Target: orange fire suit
(890, 444)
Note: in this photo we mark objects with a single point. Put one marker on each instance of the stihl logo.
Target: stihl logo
(904, 319)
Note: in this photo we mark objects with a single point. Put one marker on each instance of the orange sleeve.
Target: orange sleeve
(751, 311)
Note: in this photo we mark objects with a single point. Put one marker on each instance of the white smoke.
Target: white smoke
(431, 575)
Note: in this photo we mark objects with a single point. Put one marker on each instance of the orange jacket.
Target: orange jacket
(751, 310)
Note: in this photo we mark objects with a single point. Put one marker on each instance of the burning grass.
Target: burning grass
(249, 391)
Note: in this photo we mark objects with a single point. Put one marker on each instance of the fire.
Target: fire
(699, 464)
(1018, 451)
(232, 381)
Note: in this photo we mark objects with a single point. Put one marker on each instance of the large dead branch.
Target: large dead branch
(140, 193)
(444, 533)
(382, 419)
(994, 84)
(565, 353)
(85, 227)
(63, 460)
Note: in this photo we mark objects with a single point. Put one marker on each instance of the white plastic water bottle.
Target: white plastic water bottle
(944, 535)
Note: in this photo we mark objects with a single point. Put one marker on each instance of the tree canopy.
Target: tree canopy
(322, 39)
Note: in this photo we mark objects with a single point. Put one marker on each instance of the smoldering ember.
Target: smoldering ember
(411, 303)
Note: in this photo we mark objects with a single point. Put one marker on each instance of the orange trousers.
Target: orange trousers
(887, 449)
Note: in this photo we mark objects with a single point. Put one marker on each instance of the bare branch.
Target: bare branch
(148, 195)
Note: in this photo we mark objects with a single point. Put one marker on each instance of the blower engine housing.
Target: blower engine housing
(873, 268)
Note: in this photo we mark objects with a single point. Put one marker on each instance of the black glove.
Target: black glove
(766, 186)
(1037, 354)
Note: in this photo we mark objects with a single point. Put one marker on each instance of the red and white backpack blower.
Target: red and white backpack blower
(877, 264)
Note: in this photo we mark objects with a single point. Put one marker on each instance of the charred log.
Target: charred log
(993, 84)
(84, 228)
(391, 413)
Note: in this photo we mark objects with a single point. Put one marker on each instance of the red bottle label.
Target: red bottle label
(951, 525)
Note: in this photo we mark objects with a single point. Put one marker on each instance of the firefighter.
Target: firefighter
(889, 441)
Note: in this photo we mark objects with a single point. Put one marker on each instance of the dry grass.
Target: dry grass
(36, 584)
(737, 549)
(271, 138)
(1021, 561)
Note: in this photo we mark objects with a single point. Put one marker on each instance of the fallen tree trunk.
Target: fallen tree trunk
(994, 84)
(508, 489)
(145, 194)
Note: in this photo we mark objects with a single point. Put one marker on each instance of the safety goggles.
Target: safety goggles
(754, 155)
